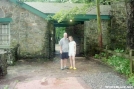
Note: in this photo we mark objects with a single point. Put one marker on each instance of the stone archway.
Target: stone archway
(77, 31)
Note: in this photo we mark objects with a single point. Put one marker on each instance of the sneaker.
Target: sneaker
(74, 68)
(71, 68)
(65, 67)
(62, 68)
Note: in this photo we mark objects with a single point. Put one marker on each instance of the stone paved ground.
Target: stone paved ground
(89, 75)
(92, 73)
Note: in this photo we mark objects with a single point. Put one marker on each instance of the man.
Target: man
(64, 48)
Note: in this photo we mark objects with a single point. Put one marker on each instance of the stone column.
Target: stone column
(52, 41)
(85, 41)
(3, 64)
(47, 43)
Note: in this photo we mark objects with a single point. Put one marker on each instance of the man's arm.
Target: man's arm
(60, 49)
(60, 43)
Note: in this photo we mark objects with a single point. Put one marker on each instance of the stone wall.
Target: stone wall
(28, 30)
(91, 35)
(118, 24)
(114, 30)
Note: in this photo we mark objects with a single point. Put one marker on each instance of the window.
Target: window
(4, 34)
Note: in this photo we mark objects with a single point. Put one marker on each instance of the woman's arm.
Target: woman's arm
(75, 47)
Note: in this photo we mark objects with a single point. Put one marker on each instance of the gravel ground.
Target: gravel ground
(94, 74)
(106, 81)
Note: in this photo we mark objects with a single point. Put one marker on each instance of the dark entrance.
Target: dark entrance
(77, 31)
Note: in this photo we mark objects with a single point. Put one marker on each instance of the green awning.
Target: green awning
(5, 20)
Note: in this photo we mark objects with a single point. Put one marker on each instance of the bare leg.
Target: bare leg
(71, 64)
(73, 58)
(61, 64)
(65, 63)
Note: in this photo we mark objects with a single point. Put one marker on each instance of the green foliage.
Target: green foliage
(61, 1)
(6, 87)
(119, 50)
(70, 14)
(41, 0)
(131, 80)
(59, 33)
(73, 1)
(103, 54)
(98, 56)
(120, 64)
(81, 1)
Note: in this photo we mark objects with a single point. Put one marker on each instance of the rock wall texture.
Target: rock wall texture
(118, 24)
(28, 30)
(114, 31)
(91, 35)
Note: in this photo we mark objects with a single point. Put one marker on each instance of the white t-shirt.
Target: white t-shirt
(72, 48)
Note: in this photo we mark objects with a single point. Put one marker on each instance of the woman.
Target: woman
(72, 52)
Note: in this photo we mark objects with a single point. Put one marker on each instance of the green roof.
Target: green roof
(43, 10)
(5, 20)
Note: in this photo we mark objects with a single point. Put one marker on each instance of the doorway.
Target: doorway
(77, 32)
(59, 31)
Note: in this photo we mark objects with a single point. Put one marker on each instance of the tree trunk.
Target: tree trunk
(99, 25)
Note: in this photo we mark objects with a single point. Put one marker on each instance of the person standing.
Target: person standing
(72, 52)
(64, 48)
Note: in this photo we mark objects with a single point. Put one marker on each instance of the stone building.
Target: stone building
(35, 34)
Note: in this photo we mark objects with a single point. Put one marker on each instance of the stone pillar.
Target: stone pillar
(85, 41)
(52, 42)
(3, 64)
(47, 43)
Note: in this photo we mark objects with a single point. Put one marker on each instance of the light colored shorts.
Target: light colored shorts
(71, 54)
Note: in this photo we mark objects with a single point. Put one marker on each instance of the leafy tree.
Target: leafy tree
(70, 14)
(62, 1)
(59, 33)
